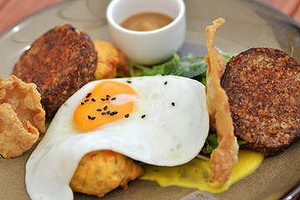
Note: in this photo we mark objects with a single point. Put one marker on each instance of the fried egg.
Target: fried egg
(159, 120)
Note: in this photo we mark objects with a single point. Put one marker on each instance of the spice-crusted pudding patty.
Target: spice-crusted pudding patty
(60, 62)
(263, 87)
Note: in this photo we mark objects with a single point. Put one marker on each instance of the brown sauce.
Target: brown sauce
(146, 21)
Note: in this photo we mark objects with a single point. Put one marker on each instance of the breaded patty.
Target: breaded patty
(263, 87)
(59, 62)
(99, 172)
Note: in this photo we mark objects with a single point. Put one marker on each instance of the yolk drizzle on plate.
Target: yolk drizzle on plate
(107, 102)
(195, 173)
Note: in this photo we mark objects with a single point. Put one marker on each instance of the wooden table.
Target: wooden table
(12, 11)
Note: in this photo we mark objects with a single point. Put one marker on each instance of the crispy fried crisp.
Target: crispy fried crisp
(102, 171)
(224, 157)
(111, 61)
(22, 117)
(15, 137)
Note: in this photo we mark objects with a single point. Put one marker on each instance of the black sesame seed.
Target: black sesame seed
(103, 113)
(103, 99)
(173, 103)
(114, 98)
(105, 108)
(93, 100)
(88, 95)
(108, 112)
(128, 81)
(166, 82)
(99, 110)
(86, 100)
(91, 117)
(113, 113)
(82, 103)
(126, 116)
(143, 116)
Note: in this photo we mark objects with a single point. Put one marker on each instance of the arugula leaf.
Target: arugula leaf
(192, 66)
(189, 66)
(211, 143)
(227, 56)
(241, 142)
(168, 68)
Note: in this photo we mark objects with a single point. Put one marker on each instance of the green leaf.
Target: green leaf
(192, 66)
(189, 66)
(168, 68)
(211, 142)
(227, 55)
(241, 142)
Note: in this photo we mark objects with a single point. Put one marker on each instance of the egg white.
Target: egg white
(169, 134)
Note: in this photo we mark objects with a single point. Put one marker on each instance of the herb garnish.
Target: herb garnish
(189, 66)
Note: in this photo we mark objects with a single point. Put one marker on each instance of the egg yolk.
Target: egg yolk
(107, 102)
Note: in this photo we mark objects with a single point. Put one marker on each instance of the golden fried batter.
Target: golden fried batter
(102, 171)
(224, 157)
(111, 61)
(21, 116)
